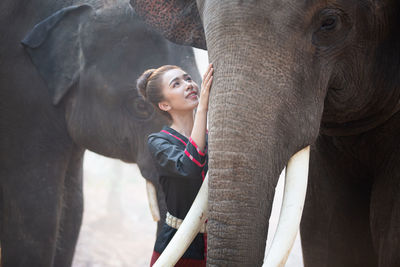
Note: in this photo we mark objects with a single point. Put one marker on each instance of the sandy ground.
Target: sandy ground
(117, 229)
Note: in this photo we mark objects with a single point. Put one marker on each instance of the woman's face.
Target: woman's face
(180, 92)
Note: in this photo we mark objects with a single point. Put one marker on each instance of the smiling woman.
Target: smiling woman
(179, 151)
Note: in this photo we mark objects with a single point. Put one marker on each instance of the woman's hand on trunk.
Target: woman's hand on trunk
(205, 89)
(200, 121)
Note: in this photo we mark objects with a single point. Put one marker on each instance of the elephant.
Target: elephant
(68, 83)
(291, 74)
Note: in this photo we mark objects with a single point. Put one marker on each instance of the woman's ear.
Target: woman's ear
(164, 106)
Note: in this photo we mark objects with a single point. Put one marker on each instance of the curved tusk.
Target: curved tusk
(152, 198)
(292, 208)
(187, 231)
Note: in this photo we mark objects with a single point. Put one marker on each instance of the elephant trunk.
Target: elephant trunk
(243, 176)
(261, 113)
(250, 143)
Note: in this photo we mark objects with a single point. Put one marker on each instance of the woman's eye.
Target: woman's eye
(176, 84)
(189, 79)
(329, 23)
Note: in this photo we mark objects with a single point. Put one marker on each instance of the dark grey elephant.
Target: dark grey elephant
(68, 87)
(289, 74)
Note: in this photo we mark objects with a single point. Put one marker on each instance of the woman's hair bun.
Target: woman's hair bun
(142, 81)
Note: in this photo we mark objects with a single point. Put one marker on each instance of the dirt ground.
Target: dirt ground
(117, 229)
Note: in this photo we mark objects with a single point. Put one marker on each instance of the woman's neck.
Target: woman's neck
(183, 123)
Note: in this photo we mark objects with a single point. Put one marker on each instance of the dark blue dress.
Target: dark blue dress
(181, 167)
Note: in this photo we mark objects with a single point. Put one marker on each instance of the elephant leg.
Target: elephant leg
(385, 213)
(31, 213)
(72, 211)
(335, 227)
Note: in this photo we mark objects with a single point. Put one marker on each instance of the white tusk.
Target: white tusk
(187, 231)
(292, 208)
(152, 198)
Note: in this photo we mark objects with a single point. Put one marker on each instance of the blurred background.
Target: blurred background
(117, 229)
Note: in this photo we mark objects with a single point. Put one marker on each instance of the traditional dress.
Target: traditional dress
(182, 167)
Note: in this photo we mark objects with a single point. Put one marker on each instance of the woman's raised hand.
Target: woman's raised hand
(205, 88)
(200, 121)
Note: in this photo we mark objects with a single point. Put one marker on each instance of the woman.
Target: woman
(180, 150)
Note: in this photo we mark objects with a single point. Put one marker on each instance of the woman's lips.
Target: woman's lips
(192, 95)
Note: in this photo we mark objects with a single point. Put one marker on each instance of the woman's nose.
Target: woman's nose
(189, 85)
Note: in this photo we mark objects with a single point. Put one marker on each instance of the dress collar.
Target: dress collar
(176, 133)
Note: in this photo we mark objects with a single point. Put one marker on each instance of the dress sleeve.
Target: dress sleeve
(173, 160)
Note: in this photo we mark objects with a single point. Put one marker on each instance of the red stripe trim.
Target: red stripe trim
(164, 131)
(193, 159)
(197, 148)
(202, 174)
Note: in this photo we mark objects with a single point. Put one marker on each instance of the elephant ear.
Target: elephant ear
(177, 20)
(54, 47)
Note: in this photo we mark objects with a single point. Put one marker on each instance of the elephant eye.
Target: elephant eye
(137, 107)
(331, 26)
(329, 23)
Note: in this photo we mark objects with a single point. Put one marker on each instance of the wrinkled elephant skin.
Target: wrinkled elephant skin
(69, 84)
(290, 74)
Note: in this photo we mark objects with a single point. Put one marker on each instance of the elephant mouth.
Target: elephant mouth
(289, 218)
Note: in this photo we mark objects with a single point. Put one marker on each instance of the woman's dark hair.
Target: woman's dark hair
(149, 86)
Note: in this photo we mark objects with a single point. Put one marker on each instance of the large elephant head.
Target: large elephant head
(285, 71)
(90, 59)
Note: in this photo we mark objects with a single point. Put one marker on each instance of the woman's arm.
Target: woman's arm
(200, 121)
(173, 160)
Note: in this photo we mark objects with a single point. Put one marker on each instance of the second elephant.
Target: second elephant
(71, 86)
